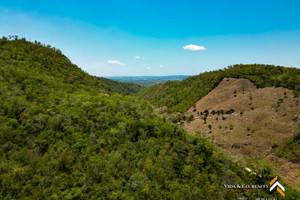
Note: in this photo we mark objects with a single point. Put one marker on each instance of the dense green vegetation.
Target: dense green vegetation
(65, 135)
(122, 87)
(181, 95)
(291, 148)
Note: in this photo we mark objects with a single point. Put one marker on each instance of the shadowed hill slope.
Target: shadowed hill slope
(179, 96)
(65, 135)
(122, 87)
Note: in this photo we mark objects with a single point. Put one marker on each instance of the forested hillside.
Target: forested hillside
(122, 87)
(291, 148)
(65, 135)
(179, 96)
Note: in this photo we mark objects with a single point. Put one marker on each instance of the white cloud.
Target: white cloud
(148, 68)
(161, 66)
(115, 62)
(139, 57)
(193, 47)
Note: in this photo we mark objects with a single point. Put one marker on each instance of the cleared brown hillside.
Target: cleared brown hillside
(253, 132)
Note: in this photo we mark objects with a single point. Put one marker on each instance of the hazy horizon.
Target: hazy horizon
(155, 75)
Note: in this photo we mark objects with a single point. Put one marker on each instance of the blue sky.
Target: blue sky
(113, 37)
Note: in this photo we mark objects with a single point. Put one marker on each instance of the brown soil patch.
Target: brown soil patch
(158, 89)
(257, 128)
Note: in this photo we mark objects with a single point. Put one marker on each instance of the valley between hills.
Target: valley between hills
(68, 135)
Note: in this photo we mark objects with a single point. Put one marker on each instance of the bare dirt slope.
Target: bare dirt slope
(259, 122)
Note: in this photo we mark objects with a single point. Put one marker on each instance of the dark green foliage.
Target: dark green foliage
(206, 112)
(191, 118)
(274, 144)
(122, 87)
(280, 101)
(181, 95)
(65, 135)
(291, 148)
(230, 111)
